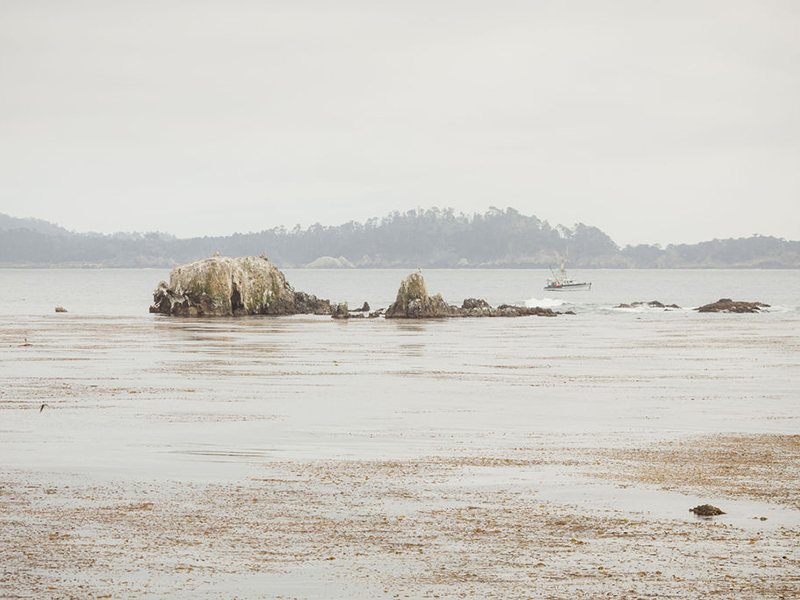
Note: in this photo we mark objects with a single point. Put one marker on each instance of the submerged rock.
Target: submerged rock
(651, 304)
(413, 302)
(733, 306)
(341, 311)
(509, 310)
(223, 286)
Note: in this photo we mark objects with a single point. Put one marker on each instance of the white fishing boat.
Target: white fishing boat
(561, 282)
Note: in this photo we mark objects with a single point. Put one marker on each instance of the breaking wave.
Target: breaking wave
(544, 302)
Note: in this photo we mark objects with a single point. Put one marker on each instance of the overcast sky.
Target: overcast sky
(656, 121)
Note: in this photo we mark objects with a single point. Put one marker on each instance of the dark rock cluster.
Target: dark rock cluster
(651, 304)
(340, 311)
(733, 306)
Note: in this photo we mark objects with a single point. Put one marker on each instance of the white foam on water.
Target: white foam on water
(645, 308)
(544, 302)
(777, 308)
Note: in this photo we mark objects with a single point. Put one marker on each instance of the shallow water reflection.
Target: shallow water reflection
(331, 389)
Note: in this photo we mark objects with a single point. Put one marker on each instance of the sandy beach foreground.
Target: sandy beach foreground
(287, 459)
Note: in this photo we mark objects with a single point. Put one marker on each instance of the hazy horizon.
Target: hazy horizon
(333, 225)
(658, 123)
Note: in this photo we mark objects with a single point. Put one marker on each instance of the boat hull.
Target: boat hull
(568, 287)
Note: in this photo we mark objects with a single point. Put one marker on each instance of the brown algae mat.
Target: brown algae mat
(445, 527)
(759, 467)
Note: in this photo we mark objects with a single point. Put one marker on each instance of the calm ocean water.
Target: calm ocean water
(128, 292)
(130, 392)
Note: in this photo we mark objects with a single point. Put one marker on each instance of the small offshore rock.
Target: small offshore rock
(60, 309)
(474, 303)
(476, 307)
(364, 308)
(727, 305)
(706, 510)
(340, 311)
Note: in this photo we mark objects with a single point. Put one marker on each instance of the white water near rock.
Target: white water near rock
(553, 303)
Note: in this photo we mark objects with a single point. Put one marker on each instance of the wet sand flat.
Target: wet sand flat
(435, 527)
(300, 458)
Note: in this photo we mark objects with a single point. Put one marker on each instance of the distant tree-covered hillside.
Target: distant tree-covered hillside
(416, 238)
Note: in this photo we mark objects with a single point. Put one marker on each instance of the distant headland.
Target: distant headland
(433, 238)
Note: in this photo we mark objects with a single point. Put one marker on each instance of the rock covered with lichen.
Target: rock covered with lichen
(224, 286)
(413, 301)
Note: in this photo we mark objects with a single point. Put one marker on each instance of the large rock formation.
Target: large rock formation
(413, 302)
(224, 286)
(733, 306)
